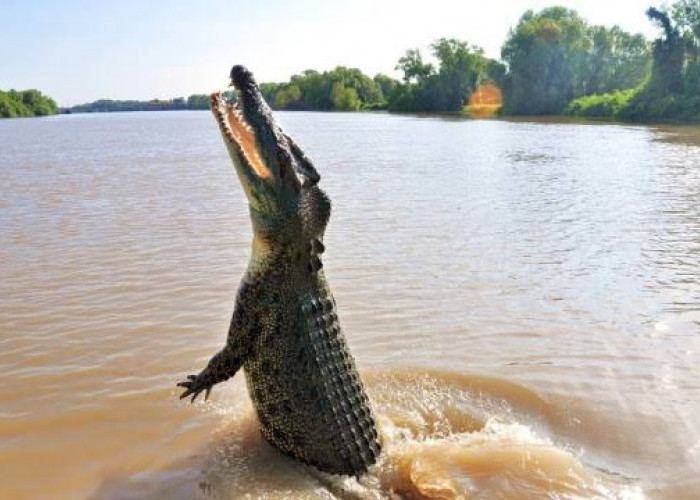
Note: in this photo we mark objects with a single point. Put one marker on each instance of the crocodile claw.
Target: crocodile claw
(193, 386)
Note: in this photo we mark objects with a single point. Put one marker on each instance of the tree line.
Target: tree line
(554, 56)
(22, 103)
(549, 58)
(424, 88)
(193, 102)
(671, 89)
(552, 62)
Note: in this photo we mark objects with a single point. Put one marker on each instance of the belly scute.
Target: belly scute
(309, 398)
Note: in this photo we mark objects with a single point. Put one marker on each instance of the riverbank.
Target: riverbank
(611, 119)
(638, 106)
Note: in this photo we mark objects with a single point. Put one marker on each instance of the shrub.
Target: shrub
(610, 106)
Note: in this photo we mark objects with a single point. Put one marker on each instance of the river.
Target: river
(522, 299)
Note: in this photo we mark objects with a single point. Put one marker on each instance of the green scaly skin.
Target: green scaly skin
(285, 333)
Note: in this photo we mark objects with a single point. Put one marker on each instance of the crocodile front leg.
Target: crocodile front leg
(224, 364)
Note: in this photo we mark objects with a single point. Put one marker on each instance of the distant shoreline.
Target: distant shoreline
(553, 63)
(559, 118)
(193, 102)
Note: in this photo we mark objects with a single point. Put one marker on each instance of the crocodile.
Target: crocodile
(284, 333)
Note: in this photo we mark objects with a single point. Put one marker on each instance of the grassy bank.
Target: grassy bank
(638, 105)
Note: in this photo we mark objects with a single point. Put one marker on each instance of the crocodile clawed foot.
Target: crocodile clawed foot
(194, 385)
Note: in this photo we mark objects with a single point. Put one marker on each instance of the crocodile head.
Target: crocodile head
(279, 180)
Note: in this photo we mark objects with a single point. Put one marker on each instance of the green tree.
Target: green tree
(269, 91)
(546, 55)
(672, 91)
(198, 101)
(287, 96)
(669, 54)
(341, 88)
(461, 68)
(345, 98)
(413, 68)
(315, 89)
(387, 86)
(686, 14)
(11, 107)
(30, 102)
(618, 60)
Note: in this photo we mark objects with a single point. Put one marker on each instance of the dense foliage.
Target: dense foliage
(672, 89)
(554, 56)
(550, 58)
(19, 103)
(553, 62)
(461, 68)
(611, 105)
(341, 89)
(195, 101)
(425, 87)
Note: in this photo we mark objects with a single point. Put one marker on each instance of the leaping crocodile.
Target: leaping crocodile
(285, 333)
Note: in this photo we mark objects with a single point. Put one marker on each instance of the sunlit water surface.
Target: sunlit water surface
(522, 298)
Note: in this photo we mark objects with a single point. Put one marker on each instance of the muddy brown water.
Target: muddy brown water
(522, 299)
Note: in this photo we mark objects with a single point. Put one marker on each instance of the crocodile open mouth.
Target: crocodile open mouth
(239, 132)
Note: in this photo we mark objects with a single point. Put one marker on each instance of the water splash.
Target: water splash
(445, 435)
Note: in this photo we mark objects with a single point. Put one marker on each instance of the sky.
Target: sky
(81, 50)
